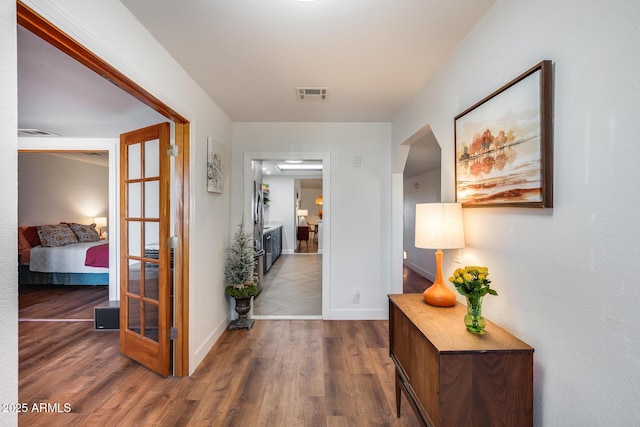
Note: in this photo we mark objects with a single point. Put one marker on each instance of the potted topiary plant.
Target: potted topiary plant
(240, 278)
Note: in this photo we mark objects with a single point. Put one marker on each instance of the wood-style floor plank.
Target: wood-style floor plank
(413, 282)
(279, 373)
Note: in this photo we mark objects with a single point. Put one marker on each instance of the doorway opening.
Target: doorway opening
(309, 214)
(420, 184)
(45, 30)
(84, 194)
(295, 280)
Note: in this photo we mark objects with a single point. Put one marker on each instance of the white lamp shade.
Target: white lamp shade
(303, 212)
(100, 221)
(439, 226)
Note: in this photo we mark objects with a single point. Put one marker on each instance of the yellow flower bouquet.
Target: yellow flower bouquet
(473, 282)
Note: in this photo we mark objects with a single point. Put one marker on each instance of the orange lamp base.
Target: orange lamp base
(439, 294)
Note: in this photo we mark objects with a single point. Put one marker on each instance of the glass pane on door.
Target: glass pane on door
(151, 156)
(134, 162)
(135, 276)
(134, 239)
(151, 282)
(134, 201)
(133, 305)
(151, 319)
(151, 192)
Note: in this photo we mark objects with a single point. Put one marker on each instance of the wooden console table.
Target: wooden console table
(455, 378)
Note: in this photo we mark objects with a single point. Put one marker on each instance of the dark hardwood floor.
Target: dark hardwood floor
(413, 282)
(279, 373)
(60, 302)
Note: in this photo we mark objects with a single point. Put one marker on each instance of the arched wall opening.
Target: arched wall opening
(416, 178)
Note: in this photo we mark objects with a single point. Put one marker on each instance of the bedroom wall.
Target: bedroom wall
(8, 211)
(53, 189)
(110, 31)
(566, 276)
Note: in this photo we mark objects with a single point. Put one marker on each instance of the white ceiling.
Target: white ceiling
(249, 56)
(56, 94)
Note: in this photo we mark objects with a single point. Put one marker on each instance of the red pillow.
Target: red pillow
(31, 234)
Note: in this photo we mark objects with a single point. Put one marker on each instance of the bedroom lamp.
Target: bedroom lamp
(319, 201)
(439, 226)
(101, 221)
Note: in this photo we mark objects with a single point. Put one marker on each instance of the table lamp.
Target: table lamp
(439, 226)
(301, 214)
(101, 222)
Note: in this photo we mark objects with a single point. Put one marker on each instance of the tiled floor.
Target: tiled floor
(292, 287)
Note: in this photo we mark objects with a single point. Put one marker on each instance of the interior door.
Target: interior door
(145, 294)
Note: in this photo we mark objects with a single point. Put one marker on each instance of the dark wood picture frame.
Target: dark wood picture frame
(504, 145)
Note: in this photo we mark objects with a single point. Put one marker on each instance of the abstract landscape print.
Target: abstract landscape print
(499, 148)
(215, 183)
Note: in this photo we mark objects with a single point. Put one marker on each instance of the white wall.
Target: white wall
(110, 31)
(566, 276)
(8, 211)
(53, 189)
(422, 261)
(281, 208)
(357, 209)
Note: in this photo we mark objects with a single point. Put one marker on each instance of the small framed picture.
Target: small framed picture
(215, 178)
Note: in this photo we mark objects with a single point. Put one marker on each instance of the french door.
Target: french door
(145, 282)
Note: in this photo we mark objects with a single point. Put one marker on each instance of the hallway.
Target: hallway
(291, 372)
(292, 287)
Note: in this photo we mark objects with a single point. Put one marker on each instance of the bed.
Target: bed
(67, 254)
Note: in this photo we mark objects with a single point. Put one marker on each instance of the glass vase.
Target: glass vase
(473, 320)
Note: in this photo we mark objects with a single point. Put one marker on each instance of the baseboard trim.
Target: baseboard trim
(359, 314)
(202, 351)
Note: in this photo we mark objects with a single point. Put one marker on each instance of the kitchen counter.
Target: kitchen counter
(272, 244)
(271, 226)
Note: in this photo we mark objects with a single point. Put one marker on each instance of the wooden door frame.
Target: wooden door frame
(44, 29)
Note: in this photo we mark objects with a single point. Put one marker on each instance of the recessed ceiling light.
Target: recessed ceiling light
(300, 167)
(293, 161)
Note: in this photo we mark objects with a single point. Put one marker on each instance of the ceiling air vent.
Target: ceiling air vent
(311, 93)
(34, 132)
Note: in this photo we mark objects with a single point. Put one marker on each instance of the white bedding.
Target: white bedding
(64, 259)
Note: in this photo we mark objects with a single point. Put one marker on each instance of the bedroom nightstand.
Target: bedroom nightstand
(106, 316)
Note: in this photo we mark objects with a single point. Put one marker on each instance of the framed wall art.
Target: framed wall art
(215, 181)
(504, 145)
